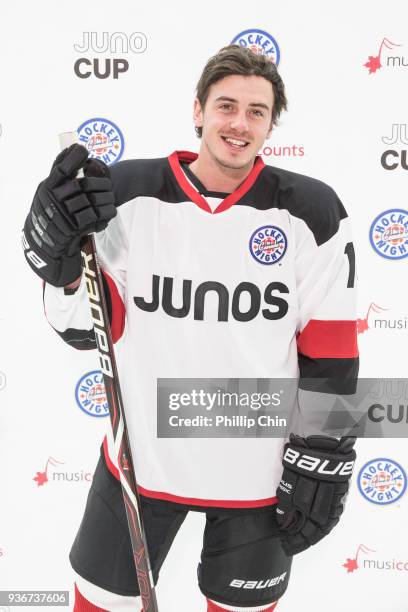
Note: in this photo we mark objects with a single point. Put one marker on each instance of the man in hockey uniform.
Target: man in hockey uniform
(214, 265)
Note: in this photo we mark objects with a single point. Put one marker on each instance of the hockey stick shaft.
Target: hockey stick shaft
(103, 336)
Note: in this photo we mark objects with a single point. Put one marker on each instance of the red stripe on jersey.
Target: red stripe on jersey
(191, 501)
(118, 309)
(210, 503)
(83, 605)
(174, 161)
(217, 607)
(185, 156)
(328, 339)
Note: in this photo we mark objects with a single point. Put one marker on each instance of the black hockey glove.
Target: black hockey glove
(64, 210)
(312, 489)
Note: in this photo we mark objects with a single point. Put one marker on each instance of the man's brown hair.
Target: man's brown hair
(235, 59)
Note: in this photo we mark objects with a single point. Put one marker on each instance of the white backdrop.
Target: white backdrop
(338, 115)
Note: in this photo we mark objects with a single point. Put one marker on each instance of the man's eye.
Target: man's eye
(226, 106)
(258, 113)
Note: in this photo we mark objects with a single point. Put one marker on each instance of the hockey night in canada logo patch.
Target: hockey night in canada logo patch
(103, 139)
(90, 394)
(389, 234)
(259, 42)
(268, 244)
(382, 481)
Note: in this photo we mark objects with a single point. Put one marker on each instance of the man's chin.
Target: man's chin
(234, 164)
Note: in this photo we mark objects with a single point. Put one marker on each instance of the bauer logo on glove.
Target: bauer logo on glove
(312, 490)
(323, 467)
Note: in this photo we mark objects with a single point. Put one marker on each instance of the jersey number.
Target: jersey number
(349, 251)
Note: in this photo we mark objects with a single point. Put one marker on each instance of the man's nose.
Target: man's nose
(240, 122)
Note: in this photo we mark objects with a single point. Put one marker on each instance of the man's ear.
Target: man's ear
(197, 114)
(268, 135)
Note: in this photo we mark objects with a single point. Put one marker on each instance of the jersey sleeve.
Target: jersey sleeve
(68, 312)
(327, 330)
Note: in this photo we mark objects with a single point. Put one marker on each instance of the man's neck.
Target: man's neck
(216, 177)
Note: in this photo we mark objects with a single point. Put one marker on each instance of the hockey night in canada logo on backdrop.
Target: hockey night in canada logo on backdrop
(389, 234)
(268, 244)
(90, 394)
(382, 481)
(259, 42)
(103, 139)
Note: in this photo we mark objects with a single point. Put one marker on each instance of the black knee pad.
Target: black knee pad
(242, 561)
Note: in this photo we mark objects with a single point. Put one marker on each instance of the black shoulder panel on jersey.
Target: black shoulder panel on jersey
(145, 177)
(304, 197)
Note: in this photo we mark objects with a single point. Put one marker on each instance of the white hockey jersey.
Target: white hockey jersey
(258, 283)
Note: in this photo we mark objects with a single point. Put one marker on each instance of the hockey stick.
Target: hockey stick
(103, 336)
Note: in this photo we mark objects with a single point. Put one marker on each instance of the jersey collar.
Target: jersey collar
(186, 156)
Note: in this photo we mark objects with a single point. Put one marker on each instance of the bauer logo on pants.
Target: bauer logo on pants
(103, 139)
(389, 234)
(90, 394)
(382, 481)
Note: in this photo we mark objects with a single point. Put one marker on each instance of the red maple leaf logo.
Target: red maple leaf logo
(350, 565)
(362, 324)
(373, 64)
(374, 61)
(41, 477)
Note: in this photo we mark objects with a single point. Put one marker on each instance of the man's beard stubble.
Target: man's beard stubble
(229, 165)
